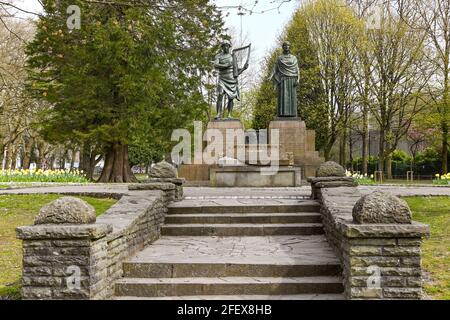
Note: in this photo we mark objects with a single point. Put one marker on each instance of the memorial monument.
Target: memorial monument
(297, 158)
(286, 76)
(226, 63)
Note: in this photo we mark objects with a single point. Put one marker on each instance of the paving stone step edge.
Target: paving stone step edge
(307, 206)
(329, 296)
(182, 270)
(226, 286)
(297, 217)
(241, 229)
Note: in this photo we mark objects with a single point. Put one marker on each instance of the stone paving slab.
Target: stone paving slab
(221, 202)
(232, 280)
(276, 250)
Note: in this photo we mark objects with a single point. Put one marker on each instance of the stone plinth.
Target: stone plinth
(233, 126)
(194, 172)
(379, 260)
(252, 176)
(294, 138)
(172, 187)
(83, 261)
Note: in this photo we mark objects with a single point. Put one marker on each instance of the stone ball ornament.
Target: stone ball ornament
(330, 169)
(163, 169)
(381, 207)
(66, 210)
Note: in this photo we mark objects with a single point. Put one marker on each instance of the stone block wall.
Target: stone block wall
(379, 261)
(83, 261)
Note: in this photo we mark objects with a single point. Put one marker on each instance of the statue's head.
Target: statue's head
(286, 47)
(226, 46)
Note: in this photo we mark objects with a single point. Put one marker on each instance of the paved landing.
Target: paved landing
(205, 193)
(275, 250)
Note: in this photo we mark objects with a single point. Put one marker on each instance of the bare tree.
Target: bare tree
(433, 17)
(398, 76)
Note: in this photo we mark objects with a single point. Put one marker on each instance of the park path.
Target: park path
(199, 193)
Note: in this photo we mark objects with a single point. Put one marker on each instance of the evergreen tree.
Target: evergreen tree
(133, 70)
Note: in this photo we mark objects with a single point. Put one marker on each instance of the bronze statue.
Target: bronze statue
(285, 77)
(228, 86)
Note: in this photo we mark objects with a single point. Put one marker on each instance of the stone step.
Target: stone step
(160, 287)
(296, 206)
(242, 229)
(183, 270)
(329, 296)
(295, 217)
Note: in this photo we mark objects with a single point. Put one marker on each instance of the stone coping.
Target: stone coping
(113, 222)
(64, 231)
(152, 186)
(177, 181)
(413, 230)
(340, 205)
(127, 210)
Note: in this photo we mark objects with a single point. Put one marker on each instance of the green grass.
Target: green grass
(435, 211)
(20, 210)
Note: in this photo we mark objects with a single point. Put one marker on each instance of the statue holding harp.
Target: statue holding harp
(227, 65)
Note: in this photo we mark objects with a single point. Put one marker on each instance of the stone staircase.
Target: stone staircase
(255, 249)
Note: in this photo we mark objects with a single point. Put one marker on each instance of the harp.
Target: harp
(238, 53)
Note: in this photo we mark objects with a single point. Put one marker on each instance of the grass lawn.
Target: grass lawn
(20, 210)
(435, 211)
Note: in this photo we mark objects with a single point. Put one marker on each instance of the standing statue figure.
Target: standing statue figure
(227, 65)
(285, 77)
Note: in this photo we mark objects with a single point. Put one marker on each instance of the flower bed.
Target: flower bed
(443, 179)
(42, 176)
(361, 178)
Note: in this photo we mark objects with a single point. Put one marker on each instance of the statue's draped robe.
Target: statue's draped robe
(227, 82)
(285, 76)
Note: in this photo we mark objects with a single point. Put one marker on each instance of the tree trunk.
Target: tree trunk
(444, 148)
(52, 163)
(117, 168)
(2, 154)
(350, 152)
(389, 167)
(8, 156)
(381, 157)
(343, 149)
(14, 157)
(26, 161)
(73, 154)
(365, 141)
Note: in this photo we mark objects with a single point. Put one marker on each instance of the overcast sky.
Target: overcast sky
(261, 29)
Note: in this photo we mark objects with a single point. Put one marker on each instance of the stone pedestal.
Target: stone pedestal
(233, 127)
(296, 140)
(254, 176)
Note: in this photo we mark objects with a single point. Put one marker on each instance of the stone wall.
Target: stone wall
(83, 261)
(379, 261)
